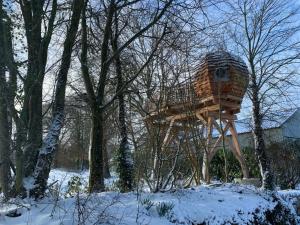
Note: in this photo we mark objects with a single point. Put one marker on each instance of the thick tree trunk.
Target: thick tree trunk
(32, 108)
(4, 142)
(31, 114)
(20, 139)
(28, 149)
(35, 132)
(4, 124)
(10, 94)
(259, 145)
(4, 135)
(106, 172)
(96, 181)
(12, 80)
(96, 100)
(46, 154)
(125, 162)
(96, 178)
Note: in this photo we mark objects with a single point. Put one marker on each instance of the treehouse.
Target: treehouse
(222, 78)
(210, 98)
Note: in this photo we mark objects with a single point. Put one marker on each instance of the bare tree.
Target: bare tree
(173, 64)
(37, 46)
(43, 166)
(266, 33)
(96, 95)
(28, 120)
(124, 158)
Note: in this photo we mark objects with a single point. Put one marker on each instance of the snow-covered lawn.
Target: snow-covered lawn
(223, 204)
(61, 178)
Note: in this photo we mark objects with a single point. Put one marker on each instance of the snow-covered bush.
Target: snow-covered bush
(75, 185)
(164, 208)
(147, 203)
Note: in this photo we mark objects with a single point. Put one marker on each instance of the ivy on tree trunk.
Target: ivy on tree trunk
(124, 159)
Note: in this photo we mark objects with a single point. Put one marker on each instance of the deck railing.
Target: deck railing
(182, 93)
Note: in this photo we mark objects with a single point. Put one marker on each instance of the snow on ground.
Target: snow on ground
(212, 204)
(61, 178)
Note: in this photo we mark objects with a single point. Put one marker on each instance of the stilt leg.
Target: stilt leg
(237, 150)
(215, 149)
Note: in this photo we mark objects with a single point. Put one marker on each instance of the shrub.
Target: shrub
(164, 208)
(285, 162)
(233, 167)
(147, 203)
(74, 186)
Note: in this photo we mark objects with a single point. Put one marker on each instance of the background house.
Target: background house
(278, 127)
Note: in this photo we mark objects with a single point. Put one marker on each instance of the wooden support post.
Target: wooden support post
(194, 163)
(207, 116)
(217, 126)
(237, 150)
(201, 118)
(214, 149)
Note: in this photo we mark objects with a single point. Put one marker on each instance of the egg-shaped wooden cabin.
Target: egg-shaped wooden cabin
(221, 76)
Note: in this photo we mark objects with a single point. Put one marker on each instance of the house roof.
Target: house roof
(272, 120)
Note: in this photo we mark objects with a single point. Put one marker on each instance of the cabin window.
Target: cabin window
(221, 74)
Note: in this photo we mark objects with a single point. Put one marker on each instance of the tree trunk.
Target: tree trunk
(10, 94)
(35, 132)
(4, 141)
(96, 178)
(4, 132)
(125, 162)
(96, 181)
(31, 114)
(46, 154)
(124, 159)
(20, 139)
(97, 164)
(4, 124)
(106, 172)
(32, 107)
(259, 145)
